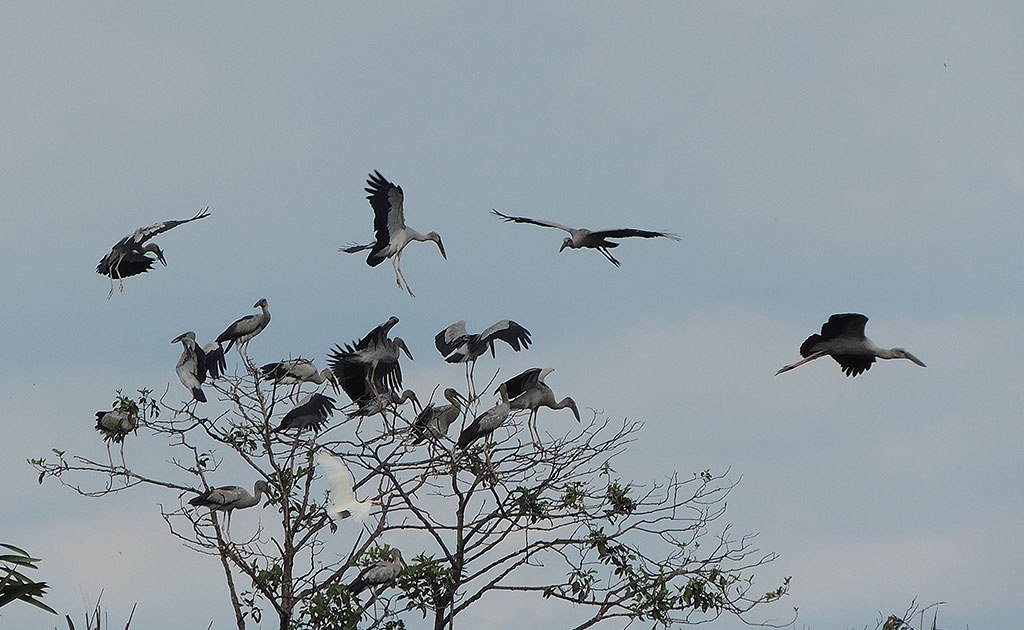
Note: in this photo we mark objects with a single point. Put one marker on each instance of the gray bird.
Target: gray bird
(229, 498)
(434, 420)
(381, 573)
(191, 366)
(244, 329)
(842, 338)
(529, 391)
(485, 424)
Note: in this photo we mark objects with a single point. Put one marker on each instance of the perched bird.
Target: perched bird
(244, 329)
(116, 424)
(378, 574)
(842, 338)
(228, 498)
(216, 364)
(369, 369)
(390, 231)
(457, 346)
(297, 371)
(529, 391)
(485, 424)
(191, 366)
(311, 414)
(344, 499)
(129, 256)
(371, 405)
(434, 420)
(594, 239)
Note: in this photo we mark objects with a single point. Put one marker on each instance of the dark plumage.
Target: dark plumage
(244, 329)
(378, 574)
(311, 414)
(434, 420)
(191, 366)
(485, 424)
(842, 337)
(369, 368)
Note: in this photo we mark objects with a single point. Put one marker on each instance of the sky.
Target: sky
(815, 158)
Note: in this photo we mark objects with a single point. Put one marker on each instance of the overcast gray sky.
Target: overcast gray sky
(815, 158)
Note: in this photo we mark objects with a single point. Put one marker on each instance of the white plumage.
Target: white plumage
(340, 478)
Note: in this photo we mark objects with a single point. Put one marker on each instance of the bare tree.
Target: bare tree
(505, 517)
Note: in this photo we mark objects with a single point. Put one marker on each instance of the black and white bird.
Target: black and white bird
(528, 390)
(434, 420)
(371, 405)
(191, 366)
(485, 424)
(458, 346)
(842, 338)
(244, 329)
(389, 228)
(381, 573)
(344, 503)
(116, 424)
(593, 239)
(229, 498)
(311, 414)
(369, 368)
(130, 255)
(296, 372)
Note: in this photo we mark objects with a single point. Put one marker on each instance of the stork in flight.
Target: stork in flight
(842, 338)
(343, 496)
(389, 228)
(244, 329)
(594, 239)
(129, 256)
(369, 369)
(228, 498)
(458, 346)
(529, 391)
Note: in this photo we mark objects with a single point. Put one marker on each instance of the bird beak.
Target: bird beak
(440, 246)
(915, 359)
(178, 338)
(564, 244)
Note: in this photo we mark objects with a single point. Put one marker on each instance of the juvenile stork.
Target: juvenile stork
(434, 420)
(244, 329)
(485, 424)
(116, 424)
(381, 573)
(389, 228)
(343, 497)
(529, 391)
(130, 255)
(369, 369)
(296, 372)
(593, 239)
(458, 346)
(229, 498)
(191, 366)
(311, 414)
(842, 338)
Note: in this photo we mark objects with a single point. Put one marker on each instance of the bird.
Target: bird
(340, 478)
(228, 498)
(529, 391)
(244, 329)
(191, 366)
(311, 414)
(842, 338)
(379, 573)
(116, 424)
(594, 239)
(371, 405)
(129, 256)
(389, 228)
(434, 420)
(485, 424)
(297, 371)
(369, 368)
(457, 346)
(216, 364)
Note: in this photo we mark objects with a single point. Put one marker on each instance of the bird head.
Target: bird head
(571, 404)
(262, 487)
(400, 344)
(434, 236)
(261, 302)
(183, 336)
(153, 247)
(566, 242)
(903, 354)
(453, 396)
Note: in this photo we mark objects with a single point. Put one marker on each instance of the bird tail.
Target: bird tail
(198, 394)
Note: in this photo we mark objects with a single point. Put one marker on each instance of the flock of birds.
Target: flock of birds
(368, 369)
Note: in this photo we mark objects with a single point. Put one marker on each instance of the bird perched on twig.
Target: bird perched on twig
(528, 390)
(380, 573)
(229, 498)
(191, 366)
(368, 370)
(243, 330)
(485, 424)
(434, 420)
(311, 414)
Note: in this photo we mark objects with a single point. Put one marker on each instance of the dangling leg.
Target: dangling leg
(816, 355)
(608, 255)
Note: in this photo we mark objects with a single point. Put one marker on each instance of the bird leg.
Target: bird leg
(816, 355)
(396, 262)
(608, 255)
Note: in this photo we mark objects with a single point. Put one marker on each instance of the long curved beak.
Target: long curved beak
(915, 359)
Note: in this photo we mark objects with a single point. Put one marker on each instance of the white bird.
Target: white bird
(458, 346)
(485, 424)
(434, 420)
(191, 366)
(594, 239)
(390, 230)
(244, 329)
(228, 498)
(116, 424)
(343, 496)
(311, 414)
(129, 256)
(529, 391)
(296, 372)
(369, 368)
(378, 574)
(842, 338)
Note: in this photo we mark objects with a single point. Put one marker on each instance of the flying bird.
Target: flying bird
(311, 414)
(130, 255)
(485, 424)
(389, 228)
(244, 329)
(458, 346)
(378, 574)
(343, 496)
(228, 498)
(529, 391)
(594, 239)
(842, 338)
(434, 420)
(368, 368)
(191, 366)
